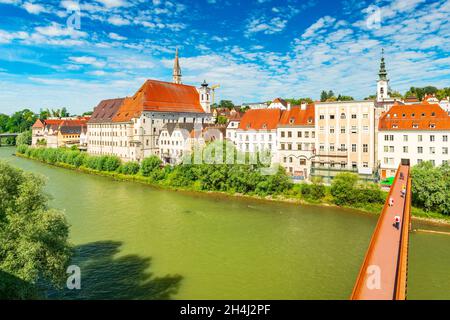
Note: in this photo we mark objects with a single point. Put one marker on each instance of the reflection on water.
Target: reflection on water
(137, 242)
(126, 277)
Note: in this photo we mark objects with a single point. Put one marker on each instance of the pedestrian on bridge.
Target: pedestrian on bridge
(391, 202)
(397, 222)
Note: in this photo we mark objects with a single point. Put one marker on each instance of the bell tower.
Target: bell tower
(176, 76)
(383, 81)
(205, 97)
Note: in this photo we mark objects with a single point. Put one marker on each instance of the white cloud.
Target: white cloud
(114, 3)
(118, 21)
(85, 60)
(58, 30)
(115, 36)
(33, 8)
(265, 26)
(318, 26)
(7, 37)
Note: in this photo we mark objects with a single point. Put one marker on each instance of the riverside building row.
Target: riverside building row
(321, 139)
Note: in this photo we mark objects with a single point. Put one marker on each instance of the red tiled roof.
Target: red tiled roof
(423, 116)
(82, 121)
(38, 124)
(160, 96)
(260, 119)
(298, 117)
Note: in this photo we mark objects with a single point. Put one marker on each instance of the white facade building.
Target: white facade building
(257, 132)
(296, 141)
(413, 133)
(345, 138)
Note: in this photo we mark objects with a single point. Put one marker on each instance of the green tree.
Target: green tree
(24, 138)
(150, 165)
(431, 187)
(323, 96)
(44, 114)
(396, 94)
(4, 123)
(226, 104)
(33, 238)
(222, 120)
(21, 121)
(343, 188)
(299, 101)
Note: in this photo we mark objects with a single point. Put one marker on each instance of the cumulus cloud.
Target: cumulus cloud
(115, 36)
(33, 8)
(91, 61)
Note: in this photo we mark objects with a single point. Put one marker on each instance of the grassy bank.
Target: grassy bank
(227, 180)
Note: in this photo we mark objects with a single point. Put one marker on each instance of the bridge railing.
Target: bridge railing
(402, 271)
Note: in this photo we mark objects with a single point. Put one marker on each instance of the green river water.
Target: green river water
(136, 242)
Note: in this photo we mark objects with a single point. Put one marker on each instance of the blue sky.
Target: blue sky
(255, 49)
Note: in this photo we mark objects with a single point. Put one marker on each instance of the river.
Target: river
(137, 242)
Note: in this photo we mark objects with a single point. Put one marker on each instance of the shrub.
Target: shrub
(317, 189)
(129, 168)
(79, 159)
(24, 138)
(90, 162)
(149, 165)
(343, 187)
(111, 163)
(431, 187)
(22, 149)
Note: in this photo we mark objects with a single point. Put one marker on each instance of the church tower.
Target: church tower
(383, 81)
(205, 97)
(176, 70)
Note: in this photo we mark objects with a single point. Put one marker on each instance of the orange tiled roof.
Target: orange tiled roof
(260, 119)
(423, 116)
(160, 96)
(298, 117)
(38, 124)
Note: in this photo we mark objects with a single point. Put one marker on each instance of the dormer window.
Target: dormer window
(394, 126)
(395, 115)
(248, 126)
(310, 120)
(415, 126)
(423, 114)
(291, 121)
(432, 126)
(404, 115)
(413, 115)
(264, 126)
(433, 114)
(388, 115)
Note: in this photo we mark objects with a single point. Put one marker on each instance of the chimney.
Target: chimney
(303, 105)
(289, 106)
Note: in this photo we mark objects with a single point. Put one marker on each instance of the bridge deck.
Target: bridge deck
(383, 273)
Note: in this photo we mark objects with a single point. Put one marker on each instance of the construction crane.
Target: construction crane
(213, 88)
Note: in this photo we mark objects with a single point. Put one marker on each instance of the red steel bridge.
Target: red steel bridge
(383, 275)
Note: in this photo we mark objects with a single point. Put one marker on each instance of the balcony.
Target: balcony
(339, 153)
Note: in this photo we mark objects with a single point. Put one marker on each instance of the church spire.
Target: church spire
(176, 69)
(383, 72)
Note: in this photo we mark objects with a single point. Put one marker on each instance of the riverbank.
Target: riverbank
(326, 201)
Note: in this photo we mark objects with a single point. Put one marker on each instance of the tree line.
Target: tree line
(34, 245)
